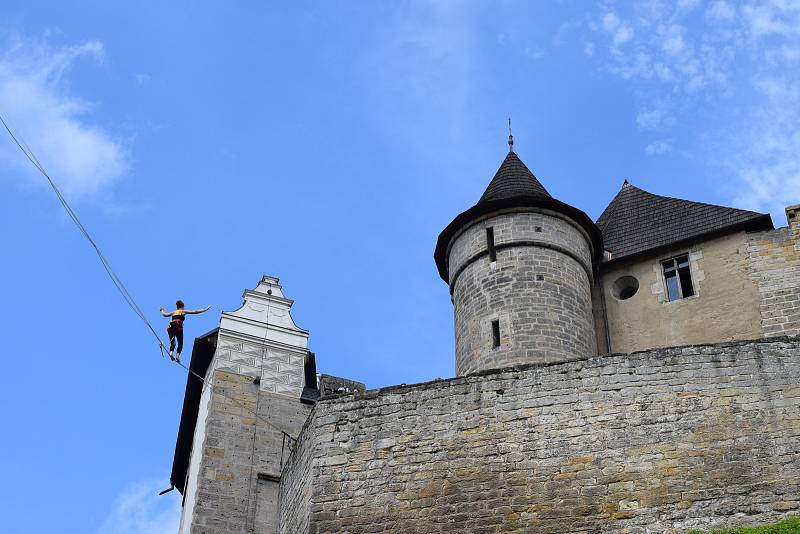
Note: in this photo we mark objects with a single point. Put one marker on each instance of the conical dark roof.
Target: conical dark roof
(513, 179)
(513, 186)
(637, 221)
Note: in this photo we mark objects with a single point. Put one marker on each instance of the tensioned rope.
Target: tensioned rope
(251, 518)
(106, 265)
(115, 279)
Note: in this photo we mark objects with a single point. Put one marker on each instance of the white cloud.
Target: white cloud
(534, 52)
(769, 164)
(142, 79)
(673, 43)
(589, 49)
(622, 35)
(687, 5)
(661, 48)
(655, 117)
(620, 32)
(790, 53)
(681, 66)
(658, 147)
(140, 510)
(721, 11)
(81, 156)
(610, 22)
(772, 17)
(650, 119)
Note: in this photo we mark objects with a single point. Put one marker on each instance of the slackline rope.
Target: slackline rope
(115, 279)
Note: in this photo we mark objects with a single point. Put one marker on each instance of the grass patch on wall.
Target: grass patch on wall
(790, 526)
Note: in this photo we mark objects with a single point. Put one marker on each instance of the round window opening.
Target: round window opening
(625, 287)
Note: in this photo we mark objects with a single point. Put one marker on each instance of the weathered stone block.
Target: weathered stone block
(482, 453)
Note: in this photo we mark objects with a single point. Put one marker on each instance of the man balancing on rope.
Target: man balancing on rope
(175, 328)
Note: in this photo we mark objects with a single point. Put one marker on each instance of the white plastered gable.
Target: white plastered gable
(260, 339)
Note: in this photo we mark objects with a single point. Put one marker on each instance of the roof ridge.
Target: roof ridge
(611, 206)
(695, 202)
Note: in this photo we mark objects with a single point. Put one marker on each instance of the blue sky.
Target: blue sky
(326, 143)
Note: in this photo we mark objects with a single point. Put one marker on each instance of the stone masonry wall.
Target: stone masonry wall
(539, 289)
(724, 306)
(658, 441)
(242, 456)
(295, 496)
(775, 267)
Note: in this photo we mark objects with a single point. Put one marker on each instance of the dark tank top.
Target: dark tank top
(178, 319)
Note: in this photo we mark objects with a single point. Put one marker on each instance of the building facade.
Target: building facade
(680, 272)
(634, 374)
(250, 389)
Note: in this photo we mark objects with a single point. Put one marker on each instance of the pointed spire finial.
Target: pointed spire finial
(510, 137)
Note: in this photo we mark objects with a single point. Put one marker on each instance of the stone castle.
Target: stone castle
(640, 373)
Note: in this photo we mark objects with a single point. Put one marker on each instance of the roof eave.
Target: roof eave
(762, 222)
(483, 208)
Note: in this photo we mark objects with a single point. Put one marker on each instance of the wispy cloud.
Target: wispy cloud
(619, 31)
(140, 510)
(655, 116)
(683, 57)
(35, 95)
(656, 47)
(661, 146)
(770, 163)
(721, 11)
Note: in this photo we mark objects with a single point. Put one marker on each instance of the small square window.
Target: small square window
(678, 278)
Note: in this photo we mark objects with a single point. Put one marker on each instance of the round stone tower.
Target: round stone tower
(520, 267)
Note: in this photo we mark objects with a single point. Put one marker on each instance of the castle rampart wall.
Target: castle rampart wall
(538, 289)
(657, 441)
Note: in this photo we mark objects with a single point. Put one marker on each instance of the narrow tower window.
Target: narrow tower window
(496, 333)
(490, 243)
(678, 278)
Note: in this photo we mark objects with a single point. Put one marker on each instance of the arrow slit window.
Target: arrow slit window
(490, 243)
(495, 333)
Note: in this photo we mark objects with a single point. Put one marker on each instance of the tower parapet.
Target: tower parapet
(520, 268)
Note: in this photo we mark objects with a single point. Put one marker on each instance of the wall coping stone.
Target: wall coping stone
(445, 382)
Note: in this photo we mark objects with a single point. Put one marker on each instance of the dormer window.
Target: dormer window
(678, 278)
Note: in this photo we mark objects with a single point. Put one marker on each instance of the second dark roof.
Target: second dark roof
(637, 221)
